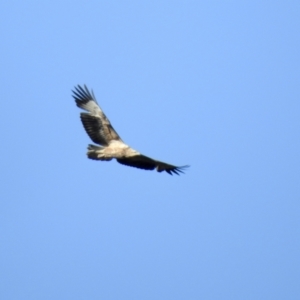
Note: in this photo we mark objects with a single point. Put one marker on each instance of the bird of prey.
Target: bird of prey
(101, 132)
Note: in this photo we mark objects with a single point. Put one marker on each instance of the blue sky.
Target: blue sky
(212, 84)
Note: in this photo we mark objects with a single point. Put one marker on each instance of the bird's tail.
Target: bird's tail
(96, 152)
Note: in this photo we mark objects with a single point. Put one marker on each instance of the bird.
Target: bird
(111, 146)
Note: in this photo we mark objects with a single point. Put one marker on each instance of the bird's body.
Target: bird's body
(101, 132)
(115, 149)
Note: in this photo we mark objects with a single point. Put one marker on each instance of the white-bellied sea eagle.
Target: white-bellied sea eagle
(111, 146)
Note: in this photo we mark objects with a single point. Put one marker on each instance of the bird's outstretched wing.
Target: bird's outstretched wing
(95, 122)
(143, 162)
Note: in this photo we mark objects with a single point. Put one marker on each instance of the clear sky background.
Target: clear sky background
(213, 84)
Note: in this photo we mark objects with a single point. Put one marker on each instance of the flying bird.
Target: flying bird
(101, 132)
